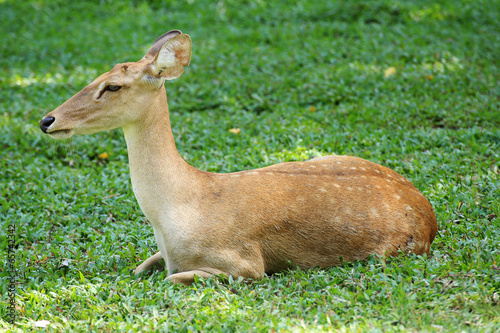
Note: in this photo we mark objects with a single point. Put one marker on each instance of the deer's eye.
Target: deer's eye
(112, 88)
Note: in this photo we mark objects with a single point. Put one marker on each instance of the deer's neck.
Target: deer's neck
(161, 179)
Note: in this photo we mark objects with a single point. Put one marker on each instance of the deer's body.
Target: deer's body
(296, 214)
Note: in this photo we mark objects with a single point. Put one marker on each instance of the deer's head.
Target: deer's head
(120, 96)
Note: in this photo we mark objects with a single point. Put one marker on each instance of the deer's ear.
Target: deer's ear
(155, 48)
(171, 56)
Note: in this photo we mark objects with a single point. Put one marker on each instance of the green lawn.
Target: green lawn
(412, 85)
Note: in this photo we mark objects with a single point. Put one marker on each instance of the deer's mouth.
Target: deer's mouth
(59, 131)
(61, 134)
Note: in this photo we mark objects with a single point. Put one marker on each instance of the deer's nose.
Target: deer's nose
(45, 123)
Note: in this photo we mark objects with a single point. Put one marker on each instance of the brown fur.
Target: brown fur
(296, 214)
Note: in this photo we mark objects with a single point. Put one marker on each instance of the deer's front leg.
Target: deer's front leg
(149, 263)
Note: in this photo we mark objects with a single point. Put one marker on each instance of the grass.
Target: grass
(413, 85)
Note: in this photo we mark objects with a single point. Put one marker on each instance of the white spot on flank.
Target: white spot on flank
(312, 166)
(408, 208)
(322, 189)
(324, 165)
(234, 175)
(336, 185)
(388, 180)
(397, 197)
(270, 173)
(253, 173)
(353, 168)
(377, 171)
(364, 169)
(389, 175)
(349, 188)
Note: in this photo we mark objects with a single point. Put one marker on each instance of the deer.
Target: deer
(290, 215)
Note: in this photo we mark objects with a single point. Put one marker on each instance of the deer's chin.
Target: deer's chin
(61, 134)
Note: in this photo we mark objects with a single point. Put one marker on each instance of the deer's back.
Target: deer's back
(314, 213)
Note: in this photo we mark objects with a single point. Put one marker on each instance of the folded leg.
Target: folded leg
(149, 263)
(187, 278)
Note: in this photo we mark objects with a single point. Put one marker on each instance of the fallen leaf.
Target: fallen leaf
(103, 156)
(389, 72)
(64, 264)
(430, 77)
(42, 323)
(312, 109)
(235, 130)
(109, 218)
